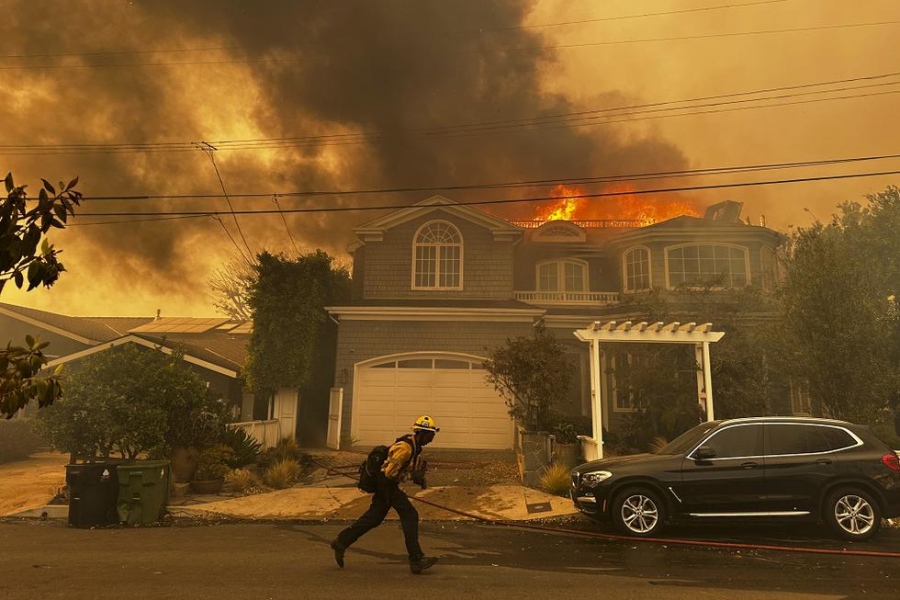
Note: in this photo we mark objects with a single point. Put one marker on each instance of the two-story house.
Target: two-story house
(438, 284)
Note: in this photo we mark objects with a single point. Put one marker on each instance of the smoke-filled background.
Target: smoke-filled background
(159, 105)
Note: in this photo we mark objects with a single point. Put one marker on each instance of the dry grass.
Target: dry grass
(556, 480)
(283, 474)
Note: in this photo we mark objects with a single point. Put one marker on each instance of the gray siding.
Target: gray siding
(487, 264)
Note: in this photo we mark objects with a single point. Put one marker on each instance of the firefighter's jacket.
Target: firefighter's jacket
(402, 459)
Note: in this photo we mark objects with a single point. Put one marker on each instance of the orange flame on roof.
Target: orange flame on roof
(626, 206)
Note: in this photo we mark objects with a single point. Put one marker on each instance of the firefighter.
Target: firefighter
(402, 461)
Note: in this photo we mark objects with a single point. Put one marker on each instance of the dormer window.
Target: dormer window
(437, 257)
(562, 276)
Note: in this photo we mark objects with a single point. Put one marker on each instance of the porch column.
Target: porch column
(597, 392)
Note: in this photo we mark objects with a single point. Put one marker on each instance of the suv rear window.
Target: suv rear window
(790, 438)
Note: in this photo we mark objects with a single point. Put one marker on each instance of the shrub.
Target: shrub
(555, 480)
(283, 474)
(18, 441)
(213, 463)
(246, 449)
(244, 481)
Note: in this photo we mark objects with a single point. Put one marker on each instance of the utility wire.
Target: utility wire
(708, 36)
(577, 118)
(626, 17)
(527, 183)
(286, 228)
(209, 150)
(587, 196)
(276, 61)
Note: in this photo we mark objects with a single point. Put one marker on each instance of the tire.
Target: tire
(638, 512)
(852, 514)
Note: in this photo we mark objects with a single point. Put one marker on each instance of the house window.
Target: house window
(707, 265)
(562, 276)
(801, 404)
(437, 257)
(637, 270)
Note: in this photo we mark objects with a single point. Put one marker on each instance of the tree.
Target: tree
(25, 254)
(533, 375)
(287, 300)
(231, 286)
(838, 305)
(126, 399)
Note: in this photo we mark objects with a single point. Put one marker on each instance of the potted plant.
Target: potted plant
(212, 466)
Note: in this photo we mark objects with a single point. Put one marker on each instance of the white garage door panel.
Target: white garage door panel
(467, 409)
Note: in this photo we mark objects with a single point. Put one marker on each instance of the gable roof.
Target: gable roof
(374, 230)
(217, 348)
(87, 330)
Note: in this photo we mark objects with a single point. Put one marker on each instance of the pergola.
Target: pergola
(701, 336)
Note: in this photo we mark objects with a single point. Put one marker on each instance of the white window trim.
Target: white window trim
(561, 273)
(415, 245)
(744, 249)
(625, 269)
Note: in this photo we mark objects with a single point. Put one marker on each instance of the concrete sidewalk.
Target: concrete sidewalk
(331, 495)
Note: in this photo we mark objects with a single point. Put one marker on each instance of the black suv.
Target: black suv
(756, 468)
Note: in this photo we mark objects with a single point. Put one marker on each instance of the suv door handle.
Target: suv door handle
(824, 461)
(749, 465)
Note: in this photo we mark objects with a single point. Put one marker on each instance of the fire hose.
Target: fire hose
(613, 537)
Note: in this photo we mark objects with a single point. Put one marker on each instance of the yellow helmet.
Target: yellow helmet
(425, 423)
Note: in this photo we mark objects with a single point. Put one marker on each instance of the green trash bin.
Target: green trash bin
(143, 491)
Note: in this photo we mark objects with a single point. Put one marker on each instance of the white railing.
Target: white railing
(264, 432)
(570, 298)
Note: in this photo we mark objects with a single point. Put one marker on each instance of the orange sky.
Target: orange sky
(172, 73)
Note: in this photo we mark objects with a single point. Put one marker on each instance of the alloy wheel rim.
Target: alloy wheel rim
(854, 514)
(639, 514)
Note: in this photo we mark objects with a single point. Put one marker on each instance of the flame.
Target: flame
(627, 206)
(564, 209)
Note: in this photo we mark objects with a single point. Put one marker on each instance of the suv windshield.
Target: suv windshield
(686, 440)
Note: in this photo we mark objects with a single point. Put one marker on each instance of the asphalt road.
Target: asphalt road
(292, 560)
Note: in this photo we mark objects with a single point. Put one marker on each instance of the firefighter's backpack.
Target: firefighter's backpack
(369, 468)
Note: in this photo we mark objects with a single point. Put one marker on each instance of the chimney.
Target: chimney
(158, 314)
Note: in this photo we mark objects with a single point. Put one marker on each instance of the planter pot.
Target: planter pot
(183, 463)
(209, 486)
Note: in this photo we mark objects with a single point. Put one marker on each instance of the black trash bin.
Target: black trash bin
(93, 491)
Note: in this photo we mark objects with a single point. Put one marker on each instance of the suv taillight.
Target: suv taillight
(891, 461)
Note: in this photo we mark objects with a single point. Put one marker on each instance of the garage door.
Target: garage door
(390, 396)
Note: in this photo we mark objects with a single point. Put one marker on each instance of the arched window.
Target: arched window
(636, 268)
(703, 265)
(437, 257)
(562, 276)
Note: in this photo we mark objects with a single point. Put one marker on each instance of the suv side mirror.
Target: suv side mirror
(704, 453)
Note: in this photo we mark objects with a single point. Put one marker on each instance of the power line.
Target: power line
(276, 61)
(573, 119)
(209, 150)
(583, 180)
(539, 199)
(722, 35)
(640, 16)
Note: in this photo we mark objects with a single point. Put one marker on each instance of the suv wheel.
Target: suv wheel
(638, 512)
(852, 514)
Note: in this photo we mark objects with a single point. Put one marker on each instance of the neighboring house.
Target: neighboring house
(438, 284)
(215, 348)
